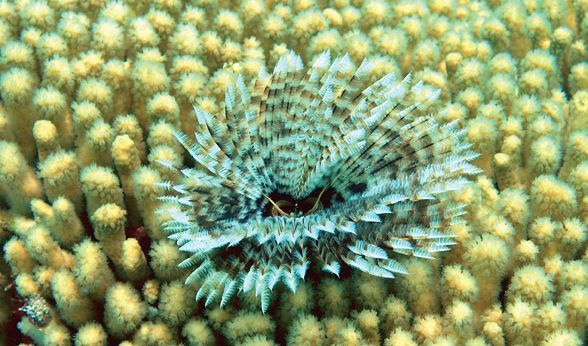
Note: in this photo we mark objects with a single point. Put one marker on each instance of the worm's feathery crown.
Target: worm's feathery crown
(314, 166)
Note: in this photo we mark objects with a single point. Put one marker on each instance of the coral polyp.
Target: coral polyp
(318, 167)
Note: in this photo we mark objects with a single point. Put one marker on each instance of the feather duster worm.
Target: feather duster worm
(314, 166)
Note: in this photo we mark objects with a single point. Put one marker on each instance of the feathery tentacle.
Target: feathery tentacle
(315, 167)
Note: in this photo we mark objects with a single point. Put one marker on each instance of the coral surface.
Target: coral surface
(92, 93)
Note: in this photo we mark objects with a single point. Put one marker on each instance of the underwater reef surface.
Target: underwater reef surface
(92, 93)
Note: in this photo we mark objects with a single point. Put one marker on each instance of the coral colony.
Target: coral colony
(271, 172)
(314, 167)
